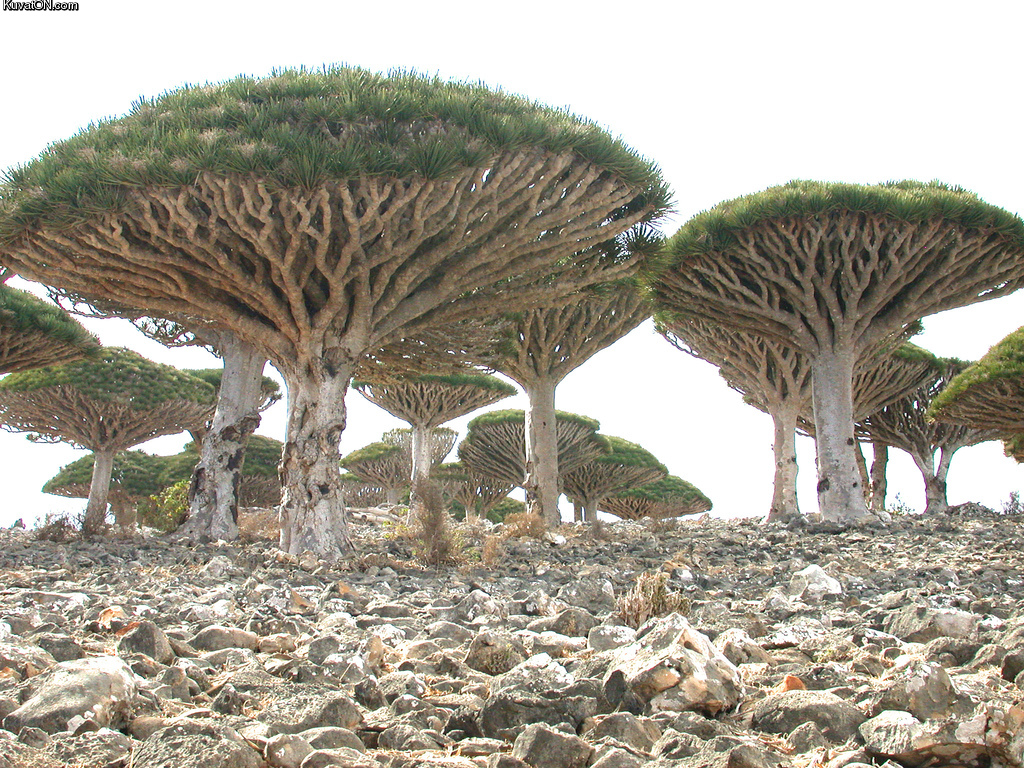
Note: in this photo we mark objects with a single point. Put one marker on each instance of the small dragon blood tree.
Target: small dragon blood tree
(477, 495)
(105, 405)
(317, 215)
(430, 400)
(627, 466)
(832, 270)
(35, 333)
(669, 497)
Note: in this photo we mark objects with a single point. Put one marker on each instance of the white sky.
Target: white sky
(728, 97)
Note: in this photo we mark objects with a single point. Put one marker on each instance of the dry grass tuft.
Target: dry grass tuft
(650, 597)
(520, 525)
(434, 540)
(258, 524)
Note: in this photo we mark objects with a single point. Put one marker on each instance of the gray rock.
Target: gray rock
(629, 729)
(406, 737)
(102, 689)
(25, 659)
(541, 746)
(781, 713)
(807, 737)
(890, 733)
(539, 674)
(494, 653)
(97, 748)
(286, 750)
(920, 623)
(146, 638)
(675, 667)
(216, 638)
(505, 713)
(60, 646)
(194, 744)
(332, 737)
(607, 636)
(338, 758)
(311, 710)
(594, 595)
(812, 585)
(615, 757)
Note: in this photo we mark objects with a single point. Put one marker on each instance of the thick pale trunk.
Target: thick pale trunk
(422, 458)
(840, 491)
(99, 489)
(542, 453)
(784, 501)
(590, 511)
(879, 476)
(213, 494)
(313, 502)
(934, 482)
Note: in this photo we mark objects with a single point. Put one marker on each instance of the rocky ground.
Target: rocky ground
(795, 646)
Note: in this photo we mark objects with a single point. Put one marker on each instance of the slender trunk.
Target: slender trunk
(99, 489)
(840, 495)
(542, 453)
(935, 481)
(784, 501)
(422, 458)
(312, 504)
(392, 495)
(879, 476)
(590, 511)
(213, 494)
(577, 511)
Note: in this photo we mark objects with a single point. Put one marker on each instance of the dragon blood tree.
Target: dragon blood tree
(495, 444)
(105, 405)
(384, 464)
(904, 424)
(776, 379)
(135, 477)
(319, 215)
(258, 482)
(669, 497)
(476, 494)
(832, 270)
(626, 466)
(429, 400)
(360, 493)
(988, 395)
(545, 346)
(35, 334)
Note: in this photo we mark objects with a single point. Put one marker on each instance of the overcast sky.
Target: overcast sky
(728, 97)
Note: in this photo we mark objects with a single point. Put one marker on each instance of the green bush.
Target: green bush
(166, 510)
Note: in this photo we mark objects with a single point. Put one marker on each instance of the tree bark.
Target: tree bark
(934, 481)
(312, 504)
(862, 468)
(879, 476)
(213, 493)
(784, 500)
(541, 482)
(840, 491)
(422, 459)
(99, 489)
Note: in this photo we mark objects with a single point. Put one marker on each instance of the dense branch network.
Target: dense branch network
(670, 497)
(34, 334)
(626, 466)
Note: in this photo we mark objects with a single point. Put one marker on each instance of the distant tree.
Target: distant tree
(383, 464)
(135, 477)
(832, 270)
(495, 444)
(670, 497)
(360, 493)
(34, 333)
(105, 405)
(544, 347)
(988, 395)
(776, 378)
(430, 400)
(476, 494)
(317, 215)
(626, 466)
(439, 442)
(904, 425)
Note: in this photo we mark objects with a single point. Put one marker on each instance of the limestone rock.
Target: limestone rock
(541, 746)
(194, 744)
(781, 713)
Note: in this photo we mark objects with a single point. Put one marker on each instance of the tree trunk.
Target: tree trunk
(590, 511)
(542, 453)
(862, 468)
(879, 476)
(784, 501)
(312, 503)
(934, 481)
(213, 493)
(422, 459)
(392, 495)
(577, 511)
(840, 492)
(99, 489)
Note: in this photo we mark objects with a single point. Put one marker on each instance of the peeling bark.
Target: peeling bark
(784, 499)
(99, 489)
(879, 476)
(840, 492)
(542, 453)
(312, 507)
(213, 493)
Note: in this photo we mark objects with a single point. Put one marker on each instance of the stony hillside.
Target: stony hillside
(801, 646)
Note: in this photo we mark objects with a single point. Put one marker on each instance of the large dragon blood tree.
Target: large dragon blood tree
(105, 405)
(318, 215)
(832, 270)
(904, 424)
(626, 466)
(258, 482)
(495, 444)
(545, 346)
(669, 497)
(776, 379)
(430, 400)
(35, 334)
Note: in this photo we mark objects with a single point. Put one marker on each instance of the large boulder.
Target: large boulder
(541, 746)
(194, 744)
(103, 689)
(675, 667)
(921, 623)
(781, 713)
